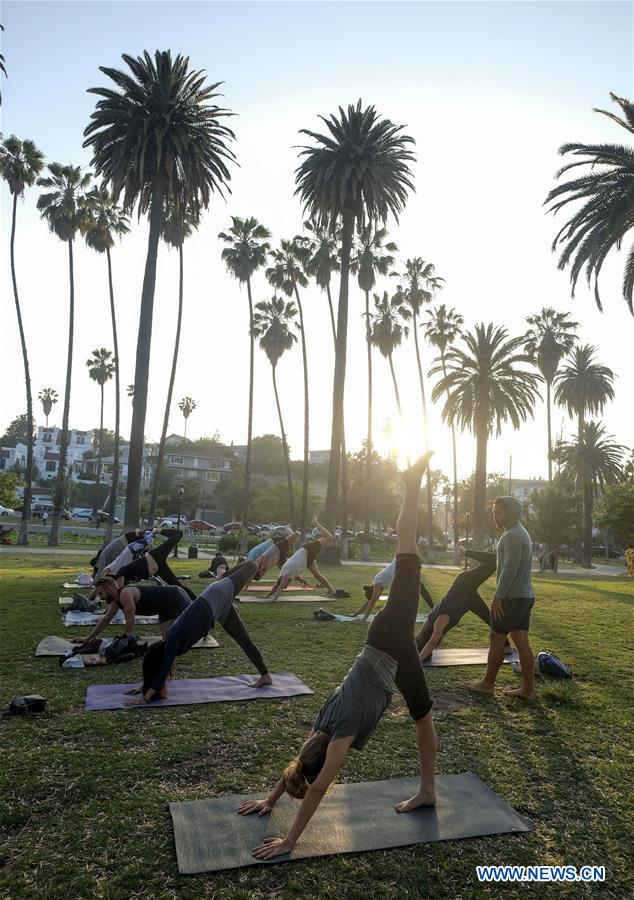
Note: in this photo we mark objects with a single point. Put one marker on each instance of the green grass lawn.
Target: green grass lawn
(85, 796)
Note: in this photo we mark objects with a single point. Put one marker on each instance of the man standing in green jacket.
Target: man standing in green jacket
(513, 599)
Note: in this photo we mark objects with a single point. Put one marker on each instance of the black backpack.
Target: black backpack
(124, 649)
(29, 705)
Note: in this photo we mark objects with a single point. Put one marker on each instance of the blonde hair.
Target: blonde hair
(304, 769)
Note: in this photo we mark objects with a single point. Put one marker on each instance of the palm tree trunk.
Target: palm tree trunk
(368, 446)
(332, 315)
(287, 459)
(396, 393)
(53, 538)
(23, 537)
(304, 515)
(46, 415)
(98, 486)
(549, 427)
(114, 484)
(578, 552)
(430, 511)
(158, 471)
(479, 493)
(455, 473)
(588, 505)
(142, 367)
(339, 379)
(344, 495)
(244, 540)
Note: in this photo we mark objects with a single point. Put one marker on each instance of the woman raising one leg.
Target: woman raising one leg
(350, 715)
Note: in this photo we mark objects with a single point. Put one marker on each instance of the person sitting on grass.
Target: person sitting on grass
(381, 582)
(219, 562)
(513, 600)
(352, 712)
(304, 558)
(462, 597)
(215, 604)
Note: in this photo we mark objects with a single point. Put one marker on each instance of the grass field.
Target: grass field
(85, 796)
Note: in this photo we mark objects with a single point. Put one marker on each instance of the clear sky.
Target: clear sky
(488, 90)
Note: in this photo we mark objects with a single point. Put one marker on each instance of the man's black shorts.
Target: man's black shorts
(516, 615)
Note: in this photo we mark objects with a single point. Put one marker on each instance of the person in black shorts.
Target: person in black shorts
(462, 597)
(154, 563)
(350, 715)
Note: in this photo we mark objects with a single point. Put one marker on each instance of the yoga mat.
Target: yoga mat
(258, 587)
(201, 690)
(453, 656)
(210, 835)
(58, 646)
(86, 618)
(307, 598)
(420, 617)
(75, 584)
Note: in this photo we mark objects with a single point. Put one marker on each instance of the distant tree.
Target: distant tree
(615, 513)
(187, 405)
(387, 331)
(17, 432)
(9, 483)
(322, 259)
(101, 368)
(48, 397)
(496, 485)
(385, 489)
(553, 514)
(272, 505)
(191, 497)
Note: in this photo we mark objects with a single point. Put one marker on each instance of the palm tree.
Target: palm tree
(286, 274)
(485, 387)
(20, 164)
(547, 341)
(48, 398)
(607, 213)
(420, 284)
(358, 171)
(593, 460)
(246, 252)
(64, 208)
(130, 392)
(106, 221)
(322, 259)
(158, 142)
(271, 325)
(187, 406)
(441, 330)
(387, 332)
(176, 229)
(371, 257)
(101, 368)
(3, 67)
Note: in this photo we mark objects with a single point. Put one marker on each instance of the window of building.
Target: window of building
(51, 465)
(81, 439)
(177, 459)
(47, 438)
(226, 464)
(180, 473)
(213, 476)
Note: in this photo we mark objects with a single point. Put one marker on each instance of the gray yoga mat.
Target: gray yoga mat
(201, 690)
(420, 617)
(59, 646)
(75, 584)
(210, 834)
(86, 618)
(455, 656)
(293, 598)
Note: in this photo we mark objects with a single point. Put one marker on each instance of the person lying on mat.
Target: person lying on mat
(165, 601)
(351, 713)
(462, 597)
(304, 558)
(215, 604)
(381, 582)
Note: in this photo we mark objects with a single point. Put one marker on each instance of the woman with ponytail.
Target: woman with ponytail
(351, 713)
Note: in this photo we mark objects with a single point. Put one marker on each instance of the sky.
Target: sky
(489, 91)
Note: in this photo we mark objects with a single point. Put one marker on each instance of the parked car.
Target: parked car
(103, 516)
(601, 551)
(201, 525)
(79, 512)
(172, 521)
(373, 538)
(236, 527)
(6, 511)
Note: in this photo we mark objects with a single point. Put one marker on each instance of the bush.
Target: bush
(231, 541)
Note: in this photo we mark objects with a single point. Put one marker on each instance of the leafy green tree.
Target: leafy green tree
(191, 496)
(385, 488)
(274, 503)
(550, 337)
(268, 455)
(607, 211)
(554, 513)
(359, 171)
(615, 513)
(101, 368)
(387, 331)
(64, 208)
(496, 485)
(485, 387)
(17, 432)
(9, 483)
(158, 141)
(20, 164)
(48, 397)
(247, 251)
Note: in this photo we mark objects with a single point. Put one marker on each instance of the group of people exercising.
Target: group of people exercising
(391, 658)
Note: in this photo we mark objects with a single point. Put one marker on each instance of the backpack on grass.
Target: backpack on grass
(546, 663)
(124, 649)
(29, 705)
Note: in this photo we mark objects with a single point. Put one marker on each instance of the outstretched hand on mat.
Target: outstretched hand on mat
(261, 807)
(272, 846)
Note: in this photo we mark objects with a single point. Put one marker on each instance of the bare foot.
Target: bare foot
(331, 594)
(524, 694)
(262, 680)
(422, 798)
(480, 687)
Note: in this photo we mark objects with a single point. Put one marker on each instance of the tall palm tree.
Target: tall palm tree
(358, 171)
(157, 140)
(593, 460)
(64, 208)
(20, 164)
(322, 259)
(105, 221)
(272, 324)
(387, 332)
(287, 274)
(607, 213)
(101, 368)
(372, 257)
(176, 229)
(548, 340)
(441, 330)
(420, 283)
(187, 405)
(246, 251)
(485, 387)
(48, 398)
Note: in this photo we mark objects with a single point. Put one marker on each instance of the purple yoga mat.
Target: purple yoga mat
(200, 690)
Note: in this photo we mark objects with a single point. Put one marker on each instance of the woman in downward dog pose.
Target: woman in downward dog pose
(350, 715)
(304, 558)
(154, 562)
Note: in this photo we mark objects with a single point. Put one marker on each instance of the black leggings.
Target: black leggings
(233, 624)
(426, 596)
(392, 631)
(140, 571)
